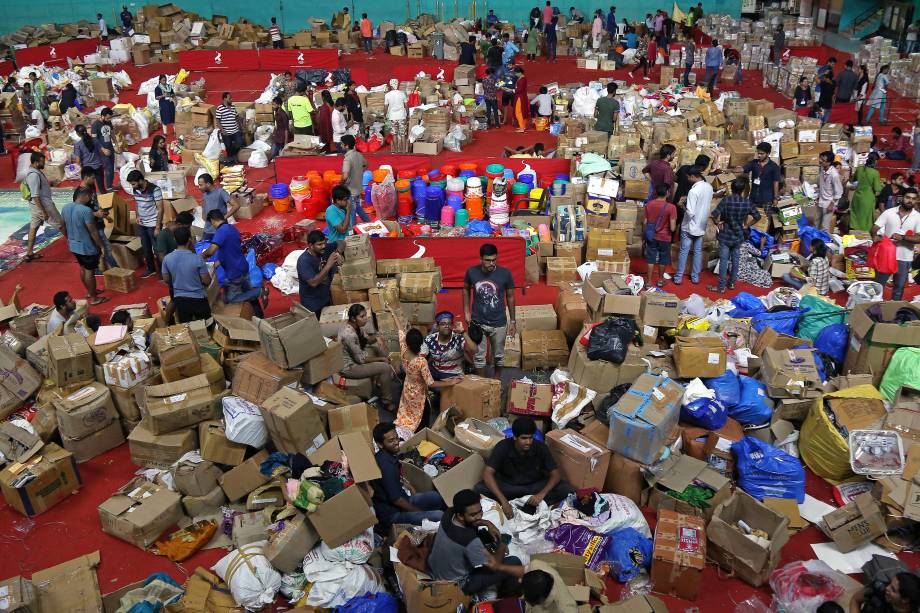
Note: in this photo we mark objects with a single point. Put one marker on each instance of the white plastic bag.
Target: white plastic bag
(142, 125)
(569, 398)
(584, 101)
(585, 269)
(123, 173)
(454, 138)
(252, 580)
(696, 390)
(257, 159)
(693, 305)
(213, 148)
(622, 513)
(863, 291)
(23, 164)
(71, 172)
(244, 423)
(360, 579)
(527, 530)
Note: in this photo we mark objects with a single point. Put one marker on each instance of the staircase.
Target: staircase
(866, 22)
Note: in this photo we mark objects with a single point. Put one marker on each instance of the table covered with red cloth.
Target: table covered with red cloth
(279, 60)
(288, 167)
(56, 54)
(229, 60)
(6, 68)
(455, 255)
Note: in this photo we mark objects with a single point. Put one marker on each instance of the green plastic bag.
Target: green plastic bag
(819, 315)
(904, 367)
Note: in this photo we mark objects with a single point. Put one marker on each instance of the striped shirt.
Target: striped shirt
(275, 33)
(147, 204)
(228, 119)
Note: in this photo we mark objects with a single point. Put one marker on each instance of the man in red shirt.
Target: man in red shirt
(900, 146)
(547, 14)
(659, 172)
(660, 222)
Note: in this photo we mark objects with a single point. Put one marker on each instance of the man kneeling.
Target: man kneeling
(469, 550)
(522, 466)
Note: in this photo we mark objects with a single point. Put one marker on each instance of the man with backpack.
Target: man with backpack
(37, 192)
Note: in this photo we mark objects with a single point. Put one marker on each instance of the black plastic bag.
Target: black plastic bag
(603, 411)
(610, 340)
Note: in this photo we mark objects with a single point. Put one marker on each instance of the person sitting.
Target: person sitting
(818, 268)
(522, 467)
(459, 553)
(64, 316)
(900, 146)
(359, 363)
(123, 318)
(544, 590)
(392, 505)
(900, 595)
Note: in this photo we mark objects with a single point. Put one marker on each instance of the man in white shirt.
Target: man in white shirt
(38, 120)
(394, 103)
(696, 216)
(902, 225)
(103, 27)
(830, 190)
(339, 125)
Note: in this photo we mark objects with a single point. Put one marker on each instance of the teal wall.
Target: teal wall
(293, 14)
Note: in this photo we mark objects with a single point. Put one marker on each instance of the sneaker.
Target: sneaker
(148, 274)
(646, 79)
(667, 276)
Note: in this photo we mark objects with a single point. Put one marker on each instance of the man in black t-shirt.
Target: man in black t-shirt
(520, 467)
(826, 96)
(486, 290)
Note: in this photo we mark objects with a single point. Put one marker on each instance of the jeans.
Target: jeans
(431, 505)
(551, 50)
(492, 116)
(507, 586)
(881, 112)
(686, 243)
(99, 174)
(710, 79)
(148, 240)
(357, 210)
(900, 279)
(791, 281)
(368, 43)
(494, 336)
(233, 143)
(108, 166)
(825, 115)
(107, 256)
(276, 149)
(241, 290)
(896, 155)
(277, 44)
(725, 252)
(687, 70)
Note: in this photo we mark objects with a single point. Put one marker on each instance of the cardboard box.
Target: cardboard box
(638, 604)
(603, 301)
(357, 418)
(121, 280)
(18, 444)
(660, 309)
(331, 319)
(642, 420)
(70, 360)
(176, 347)
(561, 270)
(348, 513)
(84, 411)
(323, 366)
(543, 349)
(287, 547)
(17, 595)
(464, 475)
(583, 462)
(159, 450)
(421, 593)
(173, 406)
(195, 478)
(293, 422)
(399, 265)
(679, 555)
(236, 334)
(789, 372)
(292, 338)
(601, 375)
(242, 479)
(855, 524)
(872, 344)
(250, 528)
(535, 317)
(699, 356)
(476, 397)
(207, 504)
(257, 378)
(215, 446)
(140, 511)
(678, 472)
(71, 586)
(17, 378)
(733, 551)
(56, 477)
(418, 286)
(572, 312)
(95, 443)
(530, 398)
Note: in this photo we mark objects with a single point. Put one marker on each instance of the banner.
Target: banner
(223, 59)
(57, 54)
(279, 60)
(454, 255)
(6, 68)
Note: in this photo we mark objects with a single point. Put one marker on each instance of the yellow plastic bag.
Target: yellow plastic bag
(181, 76)
(823, 449)
(211, 166)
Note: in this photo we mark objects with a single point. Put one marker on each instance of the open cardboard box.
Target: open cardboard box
(680, 471)
(463, 476)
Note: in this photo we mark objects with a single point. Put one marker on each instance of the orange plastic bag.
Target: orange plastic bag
(182, 544)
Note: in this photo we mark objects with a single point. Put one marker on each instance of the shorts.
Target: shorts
(36, 220)
(192, 309)
(89, 262)
(657, 252)
(494, 336)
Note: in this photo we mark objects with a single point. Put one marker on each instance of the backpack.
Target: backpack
(24, 188)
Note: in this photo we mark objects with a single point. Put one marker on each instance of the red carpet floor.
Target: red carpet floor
(72, 527)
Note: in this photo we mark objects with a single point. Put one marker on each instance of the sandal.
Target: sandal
(660, 283)
(33, 256)
(99, 300)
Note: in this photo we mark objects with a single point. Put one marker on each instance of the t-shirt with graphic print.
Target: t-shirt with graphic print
(489, 294)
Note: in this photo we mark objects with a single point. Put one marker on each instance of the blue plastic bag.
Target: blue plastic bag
(255, 273)
(628, 553)
(746, 305)
(832, 340)
(268, 270)
(767, 472)
(755, 239)
(537, 436)
(479, 227)
(754, 406)
(808, 234)
(726, 387)
(381, 602)
(784, 322)
(704, 412)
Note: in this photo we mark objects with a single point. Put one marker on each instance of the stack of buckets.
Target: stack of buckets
(280, 195)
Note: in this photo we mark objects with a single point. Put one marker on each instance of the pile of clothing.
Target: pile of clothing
(431, 459)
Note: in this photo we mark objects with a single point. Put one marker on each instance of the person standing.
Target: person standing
(88, 154)
(88, 180)
(868, 185)
(187, 276)
(607, 110)
(714, 59)
(597, 29)
(339, 125)
(612, 24)
(490, 94)
(103, 27)
(828, 68)
(274, 33)
(689, 59)
(779, 45)
(324, 121)
(79, 228)
(281, 135)
(231, 129)
(148, 198)
(339, 215)
(159, 154)
(642, 53)
(846, 83)
(879, 95)
(467, 55)
(367, 34)
(549, 32)
(315, 268)
(521, 102)
(915, 137)
(509, 50)
(214, 198)
(301, 109)
(862, 87)
(39, 90)
(487, 288)
(394, 103)
(765, 177)
(41, 204)
(127, 20)
(826, 96)
(102, 132)
(227, 244)
(693, 227)
(661, 222)
(801, 97)
(166, 239)
(353, 166)
(494, 55)
(901, 225)
(731, 217)
(532, 44)
(165, 97)
(547, 13)
(830, 190)
(659, 172)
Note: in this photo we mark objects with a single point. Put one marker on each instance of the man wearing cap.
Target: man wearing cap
(394, 103)
(447, 348)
